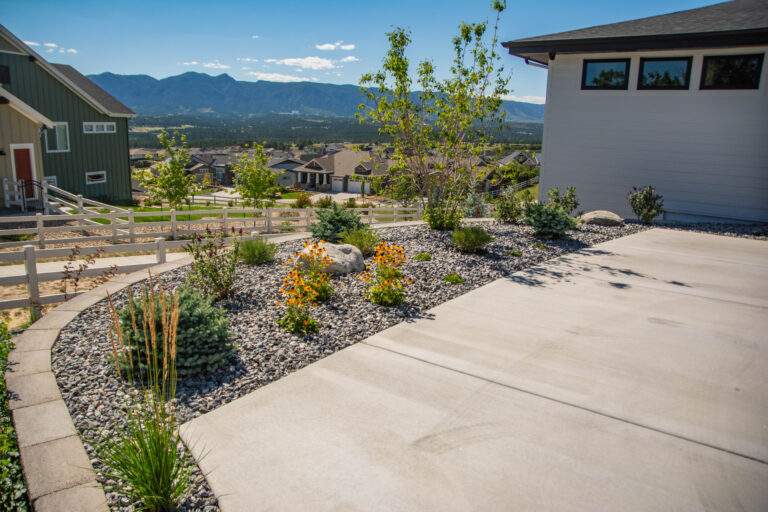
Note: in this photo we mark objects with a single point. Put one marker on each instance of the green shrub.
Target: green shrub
(515, 253)
(257, 252)
(202, 337)
(363, 238)
(324, 202)
(548, 219)
(475, 205)
(13, 493)
(471, 239)
(332, 222)
(540, 246)
(213, 266)
(646, 203)
(303, 200)
(453, 278)
(386, 281)
(423, 256)
(568, 201)
(441, 218)
(509, 207)
(298, 321)
(351, 202)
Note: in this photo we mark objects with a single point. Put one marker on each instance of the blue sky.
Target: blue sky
(327, 41)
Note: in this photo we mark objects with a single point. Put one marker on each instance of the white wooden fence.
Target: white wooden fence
(126, 227)
(267, 221)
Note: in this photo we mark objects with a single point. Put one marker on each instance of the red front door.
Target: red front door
(22, 158)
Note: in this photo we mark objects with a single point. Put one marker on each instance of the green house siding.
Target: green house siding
(87, 152)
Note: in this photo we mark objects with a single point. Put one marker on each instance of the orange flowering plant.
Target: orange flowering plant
(304, 286)
(387, 281)
(312, 264)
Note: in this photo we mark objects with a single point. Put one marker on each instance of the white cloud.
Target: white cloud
(525, 98)
(271, 61)
(215, 65)
(189, 63)
(71, 50)
(50, 45)
(338, 45)
(349, 58)
(254, 37)
(305, 62)
(276, 77)
(245, 68)
(31, 43)
(246, 59)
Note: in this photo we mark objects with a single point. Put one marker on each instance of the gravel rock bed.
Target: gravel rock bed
(758, 231)
(97, 399)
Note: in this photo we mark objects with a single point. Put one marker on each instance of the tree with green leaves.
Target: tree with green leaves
(168, 180)
(438, 132)
(254, 180)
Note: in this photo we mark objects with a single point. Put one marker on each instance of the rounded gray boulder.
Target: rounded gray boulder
(345, 258)
(602, 218)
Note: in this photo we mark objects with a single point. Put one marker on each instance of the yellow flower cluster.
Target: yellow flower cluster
(387, 283)
(297, 291)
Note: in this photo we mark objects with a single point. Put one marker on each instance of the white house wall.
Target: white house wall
(706, 151)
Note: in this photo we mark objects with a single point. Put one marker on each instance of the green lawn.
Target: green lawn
(13, 495)
(534, 191)
(290, 195)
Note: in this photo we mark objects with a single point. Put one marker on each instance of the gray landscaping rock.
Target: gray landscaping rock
(602, 218)
(346, 258)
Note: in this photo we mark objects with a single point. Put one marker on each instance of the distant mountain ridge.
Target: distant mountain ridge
(196, 93)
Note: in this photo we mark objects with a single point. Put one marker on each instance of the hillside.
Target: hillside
(199, 93)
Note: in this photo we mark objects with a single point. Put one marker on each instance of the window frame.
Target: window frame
(69, 145)
(705, 58)
(92, 173)
(104, 124)
(686, 87)
(584, 87)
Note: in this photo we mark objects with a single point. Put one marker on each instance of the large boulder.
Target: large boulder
(601, 218)
(345, 258)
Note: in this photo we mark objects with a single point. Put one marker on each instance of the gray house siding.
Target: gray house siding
(88, 153)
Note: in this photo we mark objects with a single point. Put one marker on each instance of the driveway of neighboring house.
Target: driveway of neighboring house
(629, 376)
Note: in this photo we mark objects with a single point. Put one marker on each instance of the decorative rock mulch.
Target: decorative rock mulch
(96, 398)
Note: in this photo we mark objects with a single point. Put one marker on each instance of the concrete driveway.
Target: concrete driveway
(631, 376)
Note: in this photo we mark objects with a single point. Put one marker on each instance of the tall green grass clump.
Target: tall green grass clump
(257, 252)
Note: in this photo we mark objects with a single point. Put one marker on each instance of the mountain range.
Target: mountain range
(200, 93)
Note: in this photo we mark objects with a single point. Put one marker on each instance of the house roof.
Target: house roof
(734, 23)
(341, 163)
(24, 109)
(105, 99)
(73, 85)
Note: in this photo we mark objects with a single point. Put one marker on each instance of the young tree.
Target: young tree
(169, 181)
(254, 180)
(437, 132)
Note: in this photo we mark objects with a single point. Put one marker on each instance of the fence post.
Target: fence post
(6, 193)
(131, 231)
(225, 219)
(173, 224)
(113, 223)
(268, 220)
(46, 208)
(160, 249)
(30, 265)
(80, 208)
(40, 230)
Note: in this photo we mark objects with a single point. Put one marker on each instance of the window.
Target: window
(731, 71)
(605, 74)
(57, 138)
(94, 178)
(664, 73)
(51, 180)
(5, 75)
(91, 127)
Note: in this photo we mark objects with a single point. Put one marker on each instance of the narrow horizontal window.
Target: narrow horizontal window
(665, 73)
(98, 127)
(732, 71)
(605, 74)
(57, 138)
(94, 178)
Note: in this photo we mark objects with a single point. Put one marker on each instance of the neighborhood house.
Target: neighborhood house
(57, 125)
(677, 101)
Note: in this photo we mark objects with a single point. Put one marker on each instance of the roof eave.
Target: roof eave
(524, 49)
(25, 110)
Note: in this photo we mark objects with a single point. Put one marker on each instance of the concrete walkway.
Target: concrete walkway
(632, 376)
